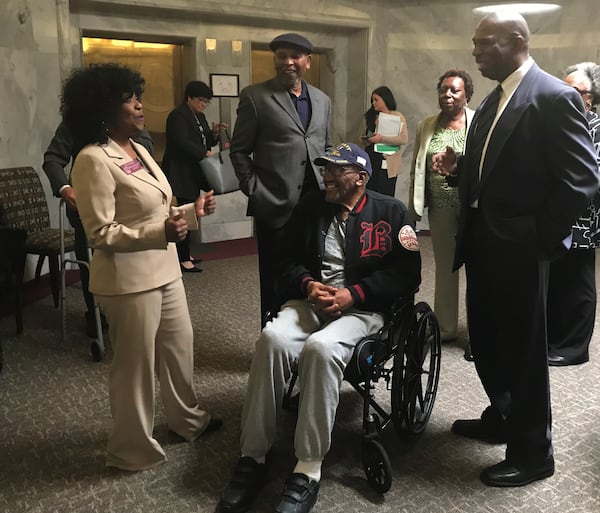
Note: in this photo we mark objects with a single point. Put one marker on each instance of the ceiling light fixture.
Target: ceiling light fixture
(523, 8)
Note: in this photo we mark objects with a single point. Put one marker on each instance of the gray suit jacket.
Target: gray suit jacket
(270, 148)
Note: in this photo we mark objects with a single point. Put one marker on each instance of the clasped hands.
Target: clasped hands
(176, 226)
(328, 301)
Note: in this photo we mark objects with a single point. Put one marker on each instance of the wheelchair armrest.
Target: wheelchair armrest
(401, 306)
(401, 301)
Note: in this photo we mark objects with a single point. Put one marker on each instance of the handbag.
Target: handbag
(218, 170)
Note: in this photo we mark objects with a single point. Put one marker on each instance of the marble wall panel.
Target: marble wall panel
(405, 45)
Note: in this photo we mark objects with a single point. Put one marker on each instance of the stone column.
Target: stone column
(63, 24)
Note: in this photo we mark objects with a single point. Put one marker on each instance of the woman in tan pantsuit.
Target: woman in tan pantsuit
(447, 128)
(124, 202)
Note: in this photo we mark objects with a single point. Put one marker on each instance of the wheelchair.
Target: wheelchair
(406, 354)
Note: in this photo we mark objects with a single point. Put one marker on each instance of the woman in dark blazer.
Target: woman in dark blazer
(189, 140)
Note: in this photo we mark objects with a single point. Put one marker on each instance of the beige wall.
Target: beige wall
(403, 44)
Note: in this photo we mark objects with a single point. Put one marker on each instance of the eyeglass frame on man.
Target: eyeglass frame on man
(206, 101)
(337, 170)
(583, 91)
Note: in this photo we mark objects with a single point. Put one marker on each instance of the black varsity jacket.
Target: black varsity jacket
(382, 264)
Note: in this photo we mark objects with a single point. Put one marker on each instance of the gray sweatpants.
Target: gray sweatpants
(322, 350)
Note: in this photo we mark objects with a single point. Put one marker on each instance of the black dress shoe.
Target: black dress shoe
(563, 361)
(507, 474)
(195, 260)
(479, 430)
(190, 270)
(299, 494)
(248, 478)
(468, 355)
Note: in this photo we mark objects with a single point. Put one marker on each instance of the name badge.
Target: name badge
(131, 167)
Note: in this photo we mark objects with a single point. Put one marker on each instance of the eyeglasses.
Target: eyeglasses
(206, 101)
(126, 98)
(582, 91)
(337, 170)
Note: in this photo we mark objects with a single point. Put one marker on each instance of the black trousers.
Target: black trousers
(81, 252)
(572, 304)
(269, 242)
(379, 180)
(506, 307)
(183, 247)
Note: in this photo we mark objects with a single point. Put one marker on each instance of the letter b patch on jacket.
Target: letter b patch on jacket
(375, 239)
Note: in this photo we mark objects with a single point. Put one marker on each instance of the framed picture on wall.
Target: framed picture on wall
(227, 86)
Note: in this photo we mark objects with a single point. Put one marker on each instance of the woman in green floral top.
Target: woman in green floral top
(428, 189)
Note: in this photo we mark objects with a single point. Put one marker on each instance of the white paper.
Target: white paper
(388, 124)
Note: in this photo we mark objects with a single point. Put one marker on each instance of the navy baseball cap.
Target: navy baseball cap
(347, 153)
(290, 39)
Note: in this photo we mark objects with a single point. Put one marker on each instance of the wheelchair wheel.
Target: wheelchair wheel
(422, 370)
(378, 468)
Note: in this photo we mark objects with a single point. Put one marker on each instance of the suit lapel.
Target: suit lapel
(317, 107)
(155, 178)
(191, 117)
(155, 171)
(282, 98)
(508, 121)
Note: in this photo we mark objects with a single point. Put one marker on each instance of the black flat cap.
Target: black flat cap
(293, 40)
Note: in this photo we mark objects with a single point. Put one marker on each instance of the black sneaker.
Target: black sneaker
(248, 478)
(299, 495)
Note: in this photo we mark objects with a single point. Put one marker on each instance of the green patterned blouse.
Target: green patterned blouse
(438, 193)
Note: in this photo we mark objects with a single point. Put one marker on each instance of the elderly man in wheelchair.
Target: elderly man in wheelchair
(350, 254)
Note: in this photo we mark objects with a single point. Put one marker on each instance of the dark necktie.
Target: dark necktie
(476, 141)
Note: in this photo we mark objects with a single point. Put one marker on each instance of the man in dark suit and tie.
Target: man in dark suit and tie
(282, 126)
(528, 172)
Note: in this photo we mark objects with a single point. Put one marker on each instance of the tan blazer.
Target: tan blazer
(394, 161)
(418, 171)
(124, 218)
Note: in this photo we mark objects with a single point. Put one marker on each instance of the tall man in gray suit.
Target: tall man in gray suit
(282, 126)
(528, 172)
